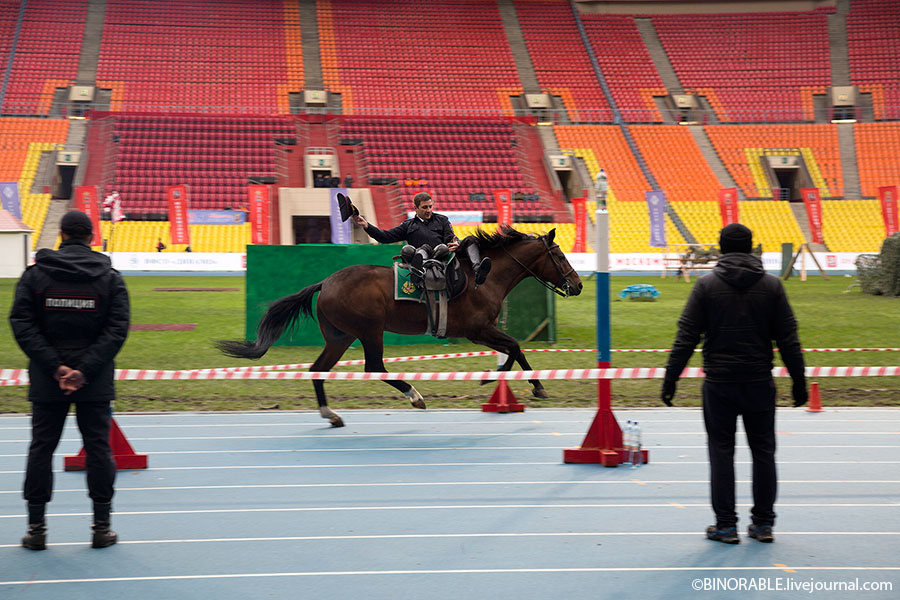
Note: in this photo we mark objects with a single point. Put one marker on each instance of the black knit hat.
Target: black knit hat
(76, 223)
(735, 238)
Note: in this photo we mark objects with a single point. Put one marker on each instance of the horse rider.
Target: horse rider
(425, 233)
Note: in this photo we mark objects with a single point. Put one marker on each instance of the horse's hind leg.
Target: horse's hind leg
(373, 346)
(334, 348)
(495, 339)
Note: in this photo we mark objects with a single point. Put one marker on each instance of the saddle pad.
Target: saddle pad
(404, 289)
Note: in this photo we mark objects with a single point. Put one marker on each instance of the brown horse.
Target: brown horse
(357, 302)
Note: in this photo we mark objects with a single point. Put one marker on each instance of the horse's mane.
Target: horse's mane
(506, 236)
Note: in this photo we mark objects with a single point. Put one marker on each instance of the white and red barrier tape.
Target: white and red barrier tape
(620, 373)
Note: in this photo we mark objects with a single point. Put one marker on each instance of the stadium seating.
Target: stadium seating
(179, 54)
(213, 155)
(740, 146)
(626, 65)
(46, 54)
(454, 158)
(872, 40)
(410, 56)
(143, 236)
(561, 63)
(877, 151)
(761, 67)
(23, 141)
(852, 225)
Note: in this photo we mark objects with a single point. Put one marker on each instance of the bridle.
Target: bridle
(562, 286)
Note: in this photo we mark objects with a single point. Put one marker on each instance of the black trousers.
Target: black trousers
(722, 403)
(47, 421)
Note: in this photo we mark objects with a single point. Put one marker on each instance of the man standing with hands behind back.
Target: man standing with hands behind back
(739, 310)
(70, 316)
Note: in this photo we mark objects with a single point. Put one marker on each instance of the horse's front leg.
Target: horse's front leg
(495, 339)
(373, 347)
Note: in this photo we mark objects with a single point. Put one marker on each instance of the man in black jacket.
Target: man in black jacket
(430, 229)
(738, 310)
(70, 316)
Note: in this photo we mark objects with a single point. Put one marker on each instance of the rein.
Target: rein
(561, 287)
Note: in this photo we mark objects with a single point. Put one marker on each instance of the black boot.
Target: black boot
(416, 272)
(36, 538)
(103, 535)
(480, 266)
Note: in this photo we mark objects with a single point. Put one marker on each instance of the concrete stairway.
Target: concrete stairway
(713, 159)
(517, 44)
(50, 230)
(799, 210)
(837, 42)
(849, 166)
(90, 43)
(312, 56)
(659, 56)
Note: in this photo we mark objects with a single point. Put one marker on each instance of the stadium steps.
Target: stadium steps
(50, 230)
(714, 160)
(659, 56)
(837, 42)
(90, 43)
(799, 210)
(312, 57)
(516, 39)
(849, 166)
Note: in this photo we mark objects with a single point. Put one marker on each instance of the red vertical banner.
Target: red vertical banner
(814, 213)
(578, 207)
(178, 214)
(504, 207)
(259, 213)
(888, 197)
(86, 200)
(728, 206)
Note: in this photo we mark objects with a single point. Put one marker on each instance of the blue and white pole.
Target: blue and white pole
(603, 442)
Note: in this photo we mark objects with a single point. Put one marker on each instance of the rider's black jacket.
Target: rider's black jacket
(71, 308)
(416, 232)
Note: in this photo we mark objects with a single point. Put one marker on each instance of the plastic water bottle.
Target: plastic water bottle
(636, 456)
(626, 442)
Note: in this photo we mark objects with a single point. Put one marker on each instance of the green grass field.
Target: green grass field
(828, 314)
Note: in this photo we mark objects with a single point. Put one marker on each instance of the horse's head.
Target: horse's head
(553, 268)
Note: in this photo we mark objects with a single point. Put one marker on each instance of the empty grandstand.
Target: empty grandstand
(461, 98)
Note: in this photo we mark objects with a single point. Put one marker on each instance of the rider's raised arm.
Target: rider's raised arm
(397, 234)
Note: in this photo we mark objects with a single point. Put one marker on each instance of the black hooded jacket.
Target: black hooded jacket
(71, 308)
(738, 310)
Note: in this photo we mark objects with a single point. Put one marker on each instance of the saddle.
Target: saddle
(442, 282)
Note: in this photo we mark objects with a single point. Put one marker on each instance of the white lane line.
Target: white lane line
(389, 423)
(441, 572)
(369, 450)
(485, 434)
(482, 464)
(438, 536)
(705, 505)
(466, 483)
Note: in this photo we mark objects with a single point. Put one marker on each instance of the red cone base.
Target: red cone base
(603, 442)
(502, 400)
(123, 454)
(815, 402)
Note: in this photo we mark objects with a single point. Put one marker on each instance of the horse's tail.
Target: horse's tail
(281, 315)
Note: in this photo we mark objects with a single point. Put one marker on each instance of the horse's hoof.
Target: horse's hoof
(540, 393)
(418, 403)
(336, 421)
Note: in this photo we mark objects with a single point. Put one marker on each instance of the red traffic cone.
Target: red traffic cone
(815, 403)
(502, 400)
(123, 454)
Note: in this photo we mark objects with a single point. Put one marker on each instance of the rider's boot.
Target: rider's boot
(416, 272)
(480, 266)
